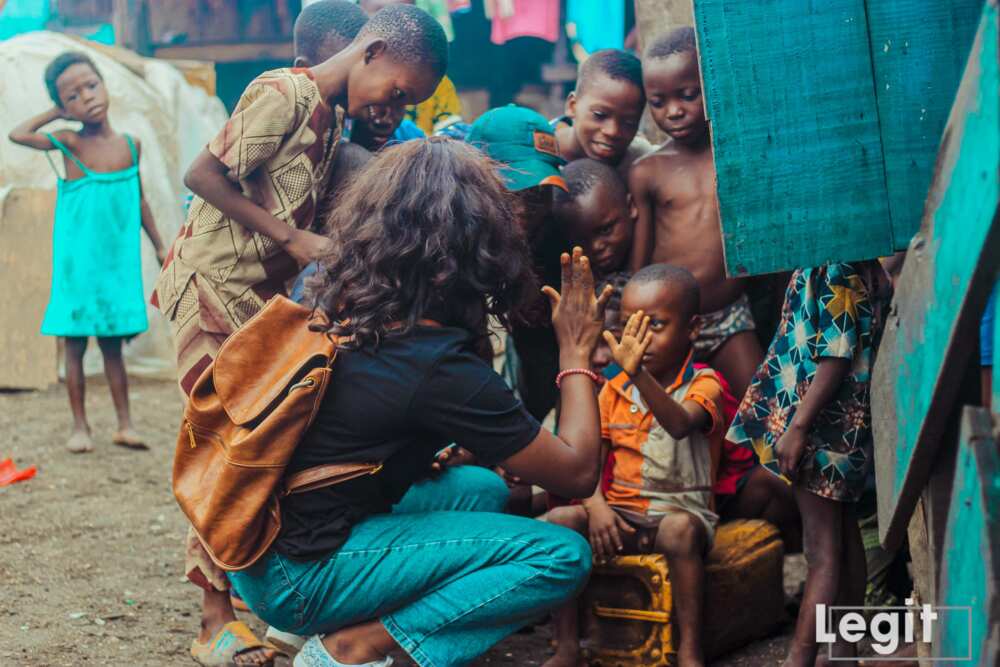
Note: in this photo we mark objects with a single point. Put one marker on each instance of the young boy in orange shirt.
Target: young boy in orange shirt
(674, 191)
(663, 421)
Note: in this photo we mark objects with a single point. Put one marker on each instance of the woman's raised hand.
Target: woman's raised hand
(577, 314)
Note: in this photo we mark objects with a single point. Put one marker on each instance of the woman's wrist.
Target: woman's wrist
(573, 359)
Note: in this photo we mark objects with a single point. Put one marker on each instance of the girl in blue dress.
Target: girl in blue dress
(96, 270)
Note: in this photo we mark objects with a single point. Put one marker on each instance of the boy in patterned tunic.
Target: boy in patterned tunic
(252, 224)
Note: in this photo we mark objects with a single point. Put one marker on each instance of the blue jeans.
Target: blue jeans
(445, 572)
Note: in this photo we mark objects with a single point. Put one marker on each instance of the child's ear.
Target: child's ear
(301, 61)
(570, 109)
(375, 48)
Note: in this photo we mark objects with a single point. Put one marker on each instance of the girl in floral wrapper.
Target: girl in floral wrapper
(807, 417)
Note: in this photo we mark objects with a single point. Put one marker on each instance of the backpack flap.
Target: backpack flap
(273, 350)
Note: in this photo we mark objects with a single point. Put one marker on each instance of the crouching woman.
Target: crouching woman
(427, 249)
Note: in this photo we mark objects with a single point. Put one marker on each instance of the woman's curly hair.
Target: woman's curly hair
(427, 230)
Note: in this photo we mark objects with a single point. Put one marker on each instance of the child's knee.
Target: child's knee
(681, 534)
(480, 489)
(76, 346)
(573, 517)
(110, 347)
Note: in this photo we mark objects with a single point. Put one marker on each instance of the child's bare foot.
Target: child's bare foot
(79, 442)
(565, 658)
(127, 437)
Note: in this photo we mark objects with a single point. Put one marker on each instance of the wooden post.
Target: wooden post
(131, 30)
(949, 271)
(970, 571)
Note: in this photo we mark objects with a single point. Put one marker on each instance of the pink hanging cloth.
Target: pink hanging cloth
(531, 18)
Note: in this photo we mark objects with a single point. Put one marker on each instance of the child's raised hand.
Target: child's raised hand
(635, 340)
(577, 314)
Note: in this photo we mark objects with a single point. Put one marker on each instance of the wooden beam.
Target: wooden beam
(970, 571)
(947, 276)
(795, 132)
(919, 49)
(227, 53)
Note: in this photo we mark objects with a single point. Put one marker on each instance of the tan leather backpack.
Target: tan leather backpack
(244, 418)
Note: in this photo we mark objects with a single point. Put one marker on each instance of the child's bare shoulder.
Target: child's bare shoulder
(647, 169)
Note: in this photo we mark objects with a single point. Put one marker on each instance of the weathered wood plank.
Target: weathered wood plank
(943, 287)
(970, 571)
(995, 398)
(919, 49)
(27, 358)
(795, 132)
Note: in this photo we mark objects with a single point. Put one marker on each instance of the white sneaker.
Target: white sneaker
(285, 642)
(314, 654)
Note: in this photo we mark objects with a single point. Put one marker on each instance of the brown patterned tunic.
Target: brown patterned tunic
(279, 146)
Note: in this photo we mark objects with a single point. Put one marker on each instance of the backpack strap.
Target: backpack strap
(319, 477)
(65, 151)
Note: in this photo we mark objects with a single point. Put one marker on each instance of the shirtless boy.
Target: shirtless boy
(674, 192)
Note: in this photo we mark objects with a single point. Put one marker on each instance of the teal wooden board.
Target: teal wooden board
(919, 49)
(949, 271)
(995, 399)
(795, 132)
(970, 568)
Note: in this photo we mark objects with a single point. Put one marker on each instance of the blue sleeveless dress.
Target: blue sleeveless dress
(96, 266)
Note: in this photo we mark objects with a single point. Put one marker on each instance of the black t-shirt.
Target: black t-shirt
(398, 403)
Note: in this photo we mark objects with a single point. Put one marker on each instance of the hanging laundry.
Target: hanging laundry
(531, 18)
(456, 6)
(501, 8)
(596, 24)
(439, 9)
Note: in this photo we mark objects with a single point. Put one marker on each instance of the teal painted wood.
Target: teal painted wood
(995, 399)
(919, 49)
(949, 271)
(970, 571)
(795, 133)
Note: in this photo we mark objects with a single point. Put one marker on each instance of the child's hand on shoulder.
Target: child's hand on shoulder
(634, 342)
(306, 247)
(604, 530)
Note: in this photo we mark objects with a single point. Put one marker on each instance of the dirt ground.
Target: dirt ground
(90, 549)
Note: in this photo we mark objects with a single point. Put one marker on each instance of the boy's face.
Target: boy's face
(601, 222)
(601, 357)
(379, 88)
(82, 94)
(673, 330)
(673, 89)
(605, 117)
(374, 133)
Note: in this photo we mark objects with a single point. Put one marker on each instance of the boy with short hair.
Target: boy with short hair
(662, 419)
(602, 114)
(674, 191)
(596, 213)
(251, 225)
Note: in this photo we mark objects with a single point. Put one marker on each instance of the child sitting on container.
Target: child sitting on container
(662, 419)
(596, 213)
(97, 273)
(602, 114)
(674, 191)
(807, 416)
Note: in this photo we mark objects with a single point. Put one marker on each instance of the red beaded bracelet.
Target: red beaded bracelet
(575, 371)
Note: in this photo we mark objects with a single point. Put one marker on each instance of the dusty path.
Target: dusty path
(90, 558)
